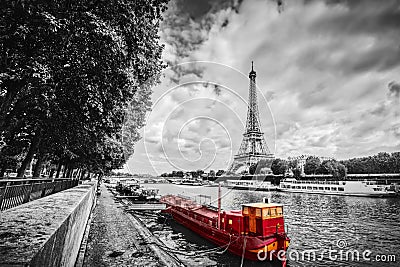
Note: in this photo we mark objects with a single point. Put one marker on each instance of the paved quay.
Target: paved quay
(117, 238)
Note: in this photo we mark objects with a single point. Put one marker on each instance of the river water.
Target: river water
(324, 230)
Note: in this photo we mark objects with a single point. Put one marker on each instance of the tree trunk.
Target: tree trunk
(82, 175)
(38, 166)
(66, 169)
(70, 170)
(29, 156)
(63, 169)
(7, 103)
(59, 168)
(2, 171)
(74, 172)
(52, 171)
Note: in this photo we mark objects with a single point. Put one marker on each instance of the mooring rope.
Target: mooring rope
(244, 250)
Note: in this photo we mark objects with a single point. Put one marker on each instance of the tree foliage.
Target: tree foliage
(312, 164)
(332, 167)
(220, 172)
(380, 163)
(296, 172)
(279, 166)
(69, 71)
(253, 168)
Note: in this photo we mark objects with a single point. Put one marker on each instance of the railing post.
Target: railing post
(44, 185)
(28, 194)
(54, 187)
(2, 194)
(6, 188)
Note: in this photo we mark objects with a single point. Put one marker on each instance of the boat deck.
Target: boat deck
(203, 211)
(190, 205)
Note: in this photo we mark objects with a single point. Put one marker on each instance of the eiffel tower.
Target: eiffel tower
(253, 147)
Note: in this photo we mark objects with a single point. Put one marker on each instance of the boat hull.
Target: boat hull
(252, 248)
(354, 194)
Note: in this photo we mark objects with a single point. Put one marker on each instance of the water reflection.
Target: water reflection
(315, 222)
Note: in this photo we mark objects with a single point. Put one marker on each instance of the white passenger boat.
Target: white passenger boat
(349, 188)
(193, 182)
(250, 185)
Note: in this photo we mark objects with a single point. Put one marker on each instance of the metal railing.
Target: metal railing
(18, 191)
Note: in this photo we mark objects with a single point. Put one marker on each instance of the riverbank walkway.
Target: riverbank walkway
(117, 238)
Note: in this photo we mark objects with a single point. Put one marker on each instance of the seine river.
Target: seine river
(324, 230)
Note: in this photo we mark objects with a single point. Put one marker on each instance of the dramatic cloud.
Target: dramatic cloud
(327, 72)
(394, 89)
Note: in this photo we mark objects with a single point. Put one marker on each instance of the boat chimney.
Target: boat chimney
(266, 200)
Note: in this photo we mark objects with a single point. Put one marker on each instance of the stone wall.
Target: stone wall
(47, 231)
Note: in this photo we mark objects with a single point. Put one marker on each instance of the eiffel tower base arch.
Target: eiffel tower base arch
(241, 164)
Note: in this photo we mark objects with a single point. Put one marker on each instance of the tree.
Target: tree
(342, 171)
(220, 172)
(381, 163)
(324, 168)
(199, 173)
(334, 168)
(312, 164)
(279, 166)
(68, 72)
(293, 164)
(252, 168)
(296, 173)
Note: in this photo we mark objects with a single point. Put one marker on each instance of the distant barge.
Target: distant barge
(256, 232)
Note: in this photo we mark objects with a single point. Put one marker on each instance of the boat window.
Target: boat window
(327, 188)
(266, 213)
(258, 212)
(303, 187)
(279, 211)
(321, 188)
(273, 212)
(334, 188)
(230, 221)
(245, 210)
(309, 187)
(341, 188)
(315, 188)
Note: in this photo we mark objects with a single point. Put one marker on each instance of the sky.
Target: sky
(328, 80)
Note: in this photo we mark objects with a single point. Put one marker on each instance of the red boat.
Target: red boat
(256, 232)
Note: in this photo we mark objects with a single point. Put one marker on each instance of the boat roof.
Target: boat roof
(206, 212)
(262, 205)
(234, 212)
